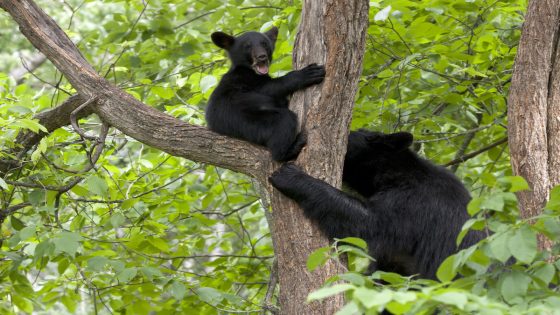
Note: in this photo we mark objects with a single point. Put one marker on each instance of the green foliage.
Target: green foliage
(503, 274)
(144, 232)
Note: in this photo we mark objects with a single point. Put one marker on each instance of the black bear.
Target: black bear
(411, 213)
(248, 104)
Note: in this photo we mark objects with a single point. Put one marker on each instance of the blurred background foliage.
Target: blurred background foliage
(144, 232)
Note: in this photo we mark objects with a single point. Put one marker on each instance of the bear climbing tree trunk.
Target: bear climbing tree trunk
(331, 32)
(534, 107)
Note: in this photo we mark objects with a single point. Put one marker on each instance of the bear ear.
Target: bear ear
(223, 40)
(272, 34)
(398, 141)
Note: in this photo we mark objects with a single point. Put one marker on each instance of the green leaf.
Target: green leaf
(67, 242)
(178, 290)
(97, 263)
(16, 223)
(523, 244)
(22, 303)
(117, 220)
(3, 184)
(545, 273)
(30, 124)
(554, 200)
(329, 291)
(27, 232)
(446, 271)
(453, 298)
(371, 298)
(63, 265)
(514, 285)
(474, 206)
(383, 14)
(70, 300)
(43, 249)
(355, 241)
(353, 278)
(207, 83)
(349, 309)
(494, 202)
(517, 183)
(209, 295)
(499, 246)
(151, 273)
(127, 274)
(404, 297)
(97, 185)
(41, 148)
(163, 92)
(317, 258)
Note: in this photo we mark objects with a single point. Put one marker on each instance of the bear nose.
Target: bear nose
(261, 57)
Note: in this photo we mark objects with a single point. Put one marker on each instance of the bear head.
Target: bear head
(251, 49)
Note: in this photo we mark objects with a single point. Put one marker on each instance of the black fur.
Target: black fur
(248, 104)
(412, 210)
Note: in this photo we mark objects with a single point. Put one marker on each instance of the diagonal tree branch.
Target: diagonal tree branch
(123, 111)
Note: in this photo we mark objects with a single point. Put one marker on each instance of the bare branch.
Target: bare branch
(27, 67)
(466, 157)
(4, 213)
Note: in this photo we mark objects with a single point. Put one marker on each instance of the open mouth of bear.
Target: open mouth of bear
(261, 67)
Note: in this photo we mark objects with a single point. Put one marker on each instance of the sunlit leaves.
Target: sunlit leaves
(67, 242)
(383, 14)
(329, 291)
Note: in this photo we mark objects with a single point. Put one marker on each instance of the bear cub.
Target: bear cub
(411, 211)
(248, 104)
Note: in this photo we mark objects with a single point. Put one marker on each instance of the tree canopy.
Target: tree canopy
(117, 226)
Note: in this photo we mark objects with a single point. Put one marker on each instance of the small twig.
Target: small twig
(272, 282)
(475, 153)
(98, 149)
(91, 158)
(34, 62)
(4, 213)
(208, 256)
(74, 121)
(380, 69)
(64, 188)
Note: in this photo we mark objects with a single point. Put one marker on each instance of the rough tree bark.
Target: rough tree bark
(332, 32)
(534, 107)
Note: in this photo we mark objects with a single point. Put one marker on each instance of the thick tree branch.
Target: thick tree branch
(123, 111)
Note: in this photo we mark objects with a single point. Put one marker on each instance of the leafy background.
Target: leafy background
(145, 232)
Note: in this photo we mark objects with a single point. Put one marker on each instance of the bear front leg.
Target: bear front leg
(337, 214)
(294, 80)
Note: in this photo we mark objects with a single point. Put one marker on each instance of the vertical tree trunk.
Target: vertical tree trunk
(534, 107)
(331, 32)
